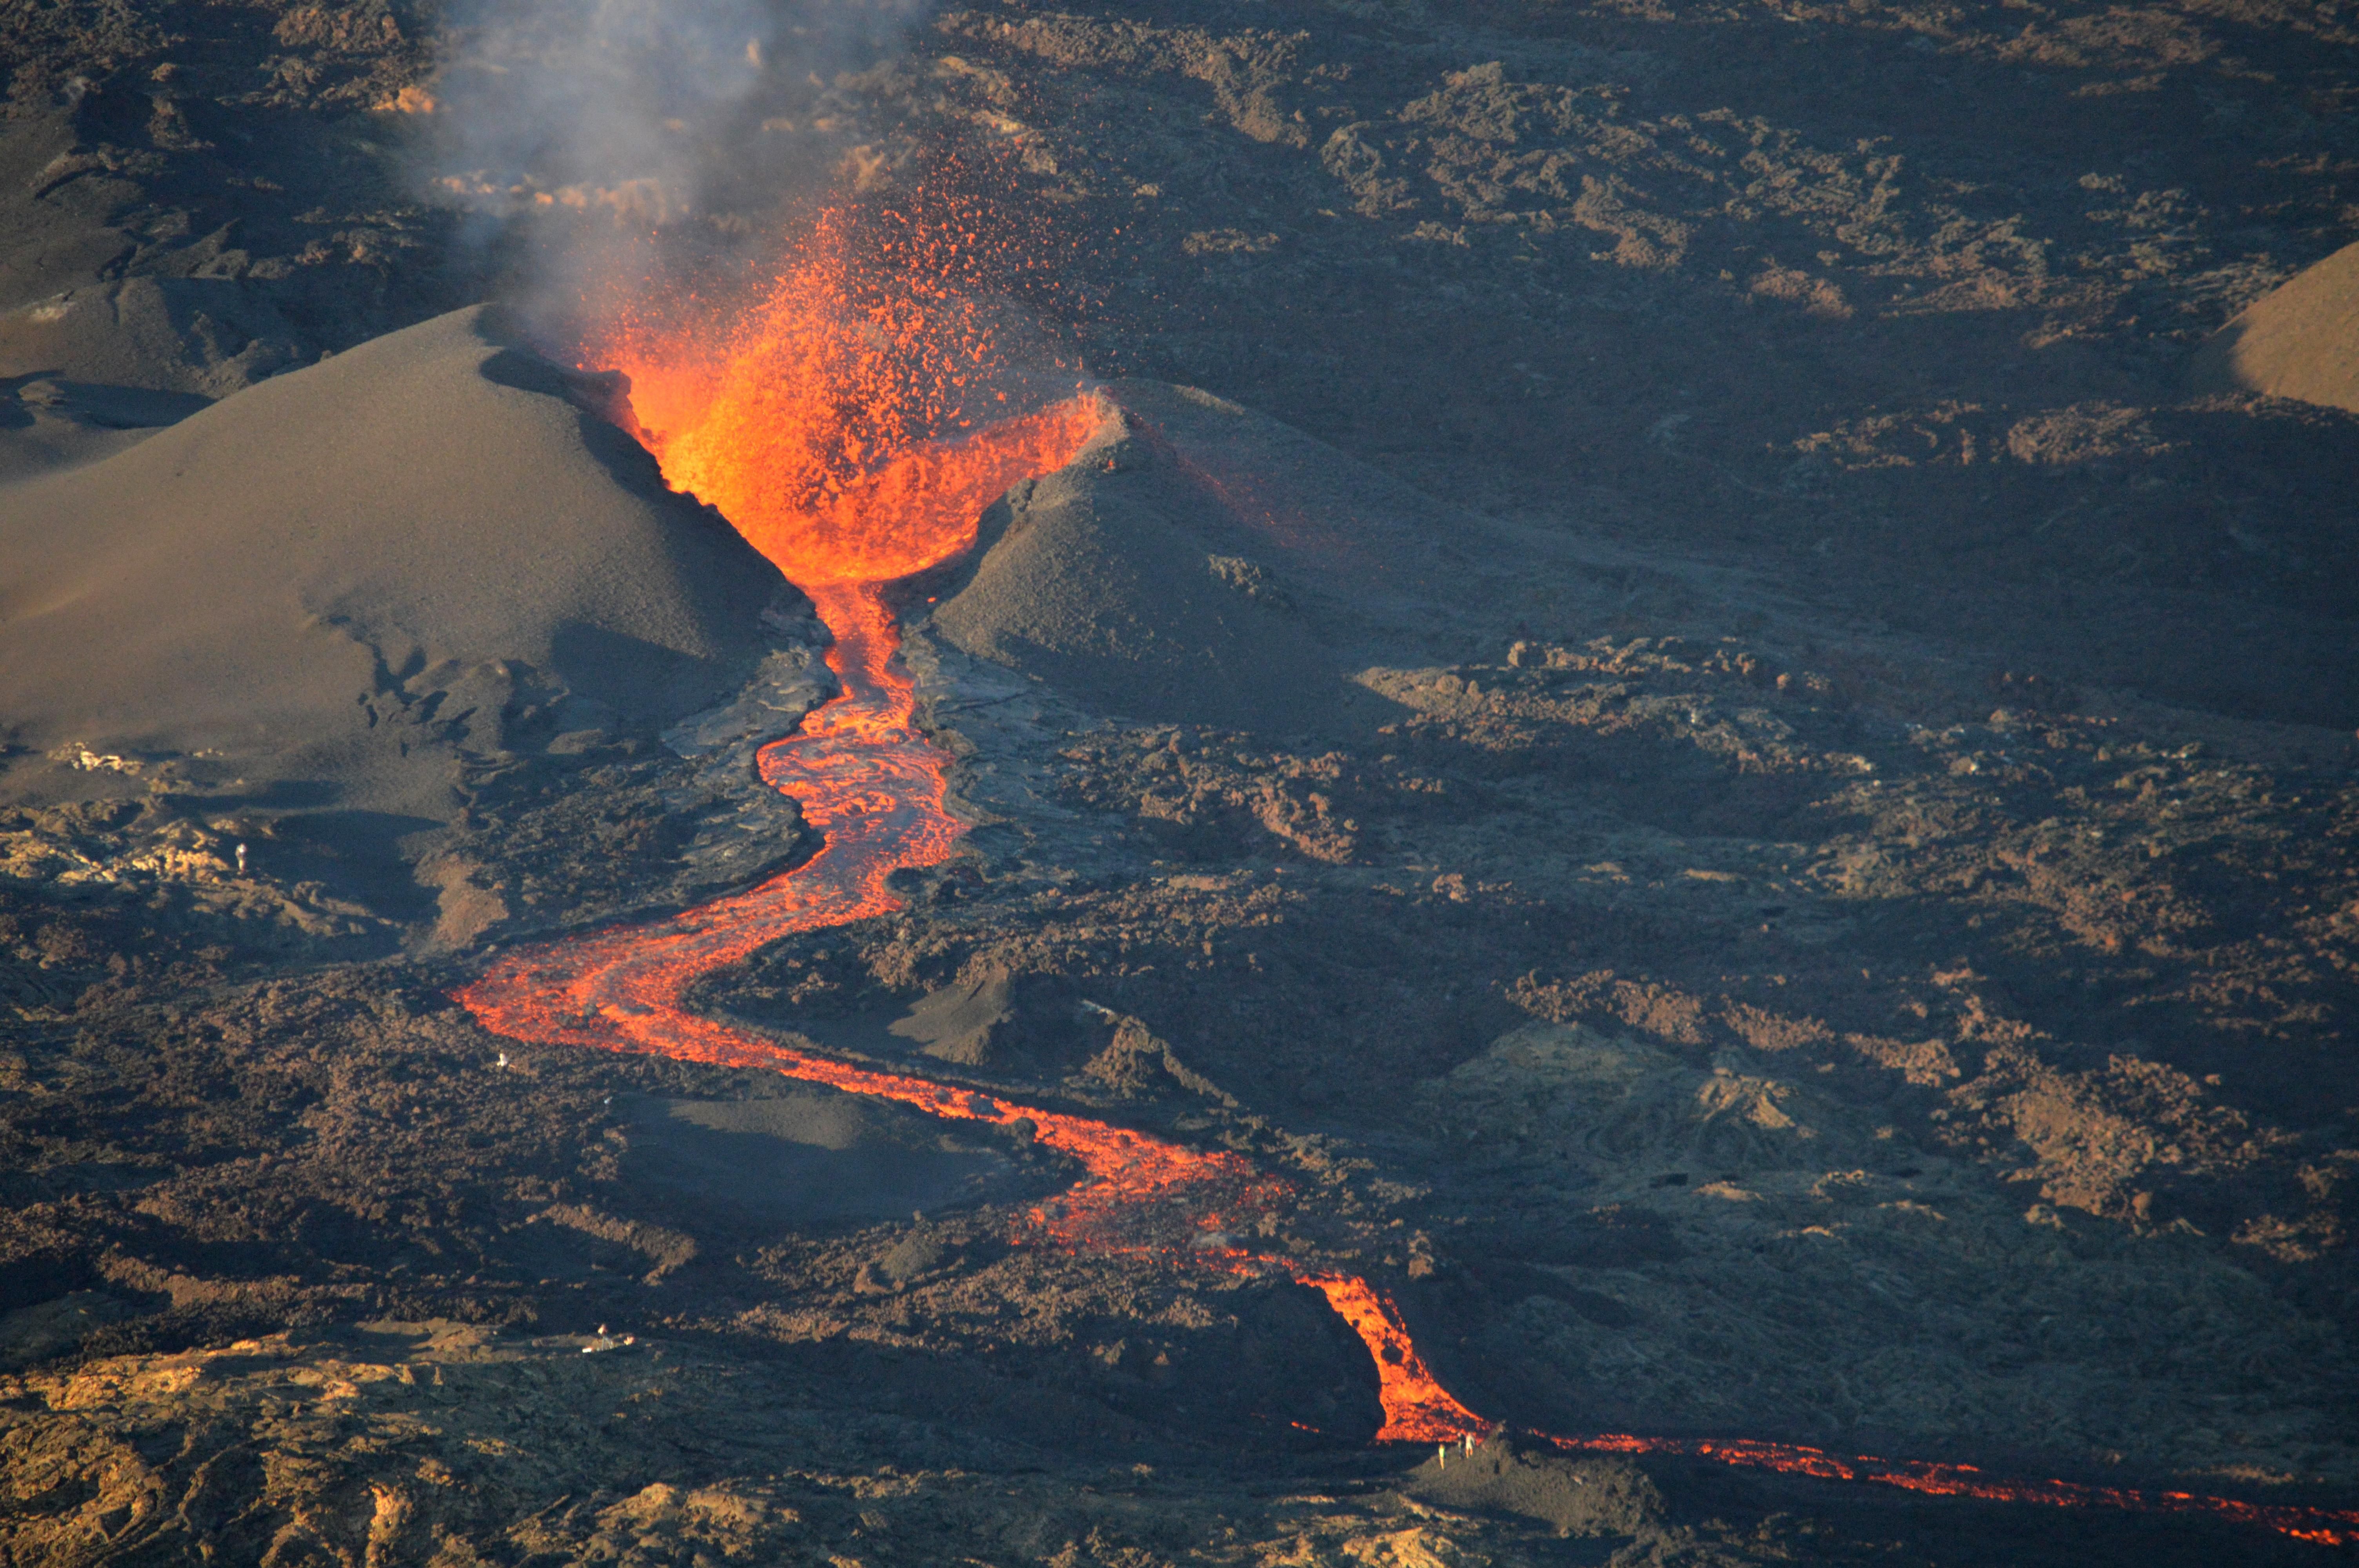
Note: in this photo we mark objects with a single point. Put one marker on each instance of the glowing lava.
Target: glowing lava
(815, 426)
(851, 425)
(875, 791)
(2328, 1527)
(1418, 1409)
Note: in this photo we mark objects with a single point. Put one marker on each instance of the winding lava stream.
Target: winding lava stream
(875, 790)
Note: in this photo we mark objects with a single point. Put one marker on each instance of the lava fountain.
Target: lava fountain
(850, 424)
(847, 424)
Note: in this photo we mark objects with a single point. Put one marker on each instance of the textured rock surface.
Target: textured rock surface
(1831, 917)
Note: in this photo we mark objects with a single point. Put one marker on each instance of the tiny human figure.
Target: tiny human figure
(1442, 1456)
(240, 859)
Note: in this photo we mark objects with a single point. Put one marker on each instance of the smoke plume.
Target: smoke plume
(584, 136)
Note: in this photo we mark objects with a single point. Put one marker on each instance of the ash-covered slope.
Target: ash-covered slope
(1200, 563)
(2300, 340)
(338, 575)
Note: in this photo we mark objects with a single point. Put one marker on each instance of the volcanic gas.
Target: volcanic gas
(851, 425)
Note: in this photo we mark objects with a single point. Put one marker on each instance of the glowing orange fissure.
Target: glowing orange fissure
(842, 494)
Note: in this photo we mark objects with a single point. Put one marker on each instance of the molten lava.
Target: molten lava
(1418, 1409)
(875, 791)
(2327, 1527)
(832, 427)
(840, 423)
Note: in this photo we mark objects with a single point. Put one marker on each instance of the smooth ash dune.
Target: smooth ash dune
(325, 573)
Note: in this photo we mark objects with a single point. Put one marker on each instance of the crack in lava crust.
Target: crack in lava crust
(875, 791)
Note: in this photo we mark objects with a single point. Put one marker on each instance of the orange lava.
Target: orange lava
(2328, 1527)
(1418, 1409)
(875, 791)
(833, 425)
(849, 425)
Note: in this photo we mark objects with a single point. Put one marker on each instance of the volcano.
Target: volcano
(2300, 340)
(1510, 784)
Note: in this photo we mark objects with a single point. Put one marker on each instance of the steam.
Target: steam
(720, 198)
(562, 125)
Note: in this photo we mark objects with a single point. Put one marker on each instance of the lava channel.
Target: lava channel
(875, 791)
(797, 435)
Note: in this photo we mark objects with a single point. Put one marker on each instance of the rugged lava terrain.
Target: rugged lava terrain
(1675, 687)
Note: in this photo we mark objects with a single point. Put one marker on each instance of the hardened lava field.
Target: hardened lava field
(1316, 785)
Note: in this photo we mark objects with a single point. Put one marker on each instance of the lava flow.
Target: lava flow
(808, 430)
(874, 789)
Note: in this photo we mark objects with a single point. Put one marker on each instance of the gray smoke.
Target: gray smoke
(618, 157)
(559, 119)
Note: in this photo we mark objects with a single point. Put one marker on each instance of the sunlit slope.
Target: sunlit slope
(296, 571)
(2300, 340)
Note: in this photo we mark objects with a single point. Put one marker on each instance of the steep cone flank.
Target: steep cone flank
(296, 572)
(1103, 581)
(1197, 563)
(2300, 340)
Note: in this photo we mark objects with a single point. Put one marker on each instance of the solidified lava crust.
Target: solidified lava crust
(876, 790)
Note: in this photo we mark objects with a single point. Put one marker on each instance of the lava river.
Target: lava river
(874, 791)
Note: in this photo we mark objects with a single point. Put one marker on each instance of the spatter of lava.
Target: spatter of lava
(815, 424)
(854, 421)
